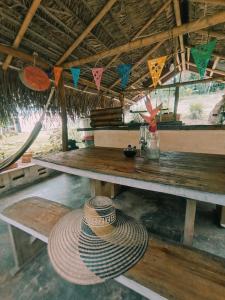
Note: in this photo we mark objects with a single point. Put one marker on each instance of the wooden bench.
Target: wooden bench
(167, 270)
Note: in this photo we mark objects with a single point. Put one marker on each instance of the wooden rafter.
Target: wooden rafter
(176, 5)
(214, 2)
(188, 56)
(214, 54)
(215, 63)
(88, 29)
(146, 25)
(177, 84)
(215, 71)
(40, 62)
(139, 62)
(212, 33)
(147, 41)
(31, 12)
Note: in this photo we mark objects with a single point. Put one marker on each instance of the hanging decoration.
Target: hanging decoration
(75, 74)
(124, 74)
(155, 67)
(97, 74)
(35, 78)
(57, 74)
(201, 55)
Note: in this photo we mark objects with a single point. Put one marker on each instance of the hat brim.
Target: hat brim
(84, 259)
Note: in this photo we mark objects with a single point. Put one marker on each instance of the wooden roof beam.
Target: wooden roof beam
(212, 33)
(204, 22)
(88, 29)
(215, 71)
(214, 2)
(138, 63)
(147, 24)
(177, 84)
(176, 5)
(29, 58)
(215, 63)
(26, 22)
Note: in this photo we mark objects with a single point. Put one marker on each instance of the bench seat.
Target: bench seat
(167, 270)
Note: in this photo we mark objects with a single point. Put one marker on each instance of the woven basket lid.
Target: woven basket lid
(97, 243)
(35, 78)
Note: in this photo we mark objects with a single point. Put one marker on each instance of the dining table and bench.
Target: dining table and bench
(192, 176)
(168, 270)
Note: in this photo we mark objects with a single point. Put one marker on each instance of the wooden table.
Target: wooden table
(196, 177)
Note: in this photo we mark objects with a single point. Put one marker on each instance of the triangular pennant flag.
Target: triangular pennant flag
(155, 67)
(75, 74)
(201, 55)
(57, 74)
(124, 74)
(97, 74)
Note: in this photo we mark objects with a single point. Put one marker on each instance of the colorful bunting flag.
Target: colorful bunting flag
(201, 55)
(57, 74)
(75, 74)
(97, 74)
(124, 74)
(155, 67)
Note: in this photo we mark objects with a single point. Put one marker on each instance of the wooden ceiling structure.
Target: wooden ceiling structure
(94, 33)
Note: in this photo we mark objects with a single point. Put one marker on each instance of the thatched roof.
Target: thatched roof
(57, 24)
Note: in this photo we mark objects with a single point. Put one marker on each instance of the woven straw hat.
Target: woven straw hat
(95, 244)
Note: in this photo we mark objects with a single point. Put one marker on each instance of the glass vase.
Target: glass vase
(149, 143)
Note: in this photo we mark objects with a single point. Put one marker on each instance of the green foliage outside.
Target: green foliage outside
(196, 110)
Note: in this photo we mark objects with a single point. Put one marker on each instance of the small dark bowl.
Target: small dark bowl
(130, 152)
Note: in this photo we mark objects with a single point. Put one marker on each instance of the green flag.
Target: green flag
(202, 54)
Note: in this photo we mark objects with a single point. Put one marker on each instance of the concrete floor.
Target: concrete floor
(162, 214)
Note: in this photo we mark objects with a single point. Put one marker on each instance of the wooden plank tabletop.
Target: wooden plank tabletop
(171, 270)
(196, 176)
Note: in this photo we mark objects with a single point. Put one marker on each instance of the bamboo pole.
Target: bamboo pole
(176, 5)
(214, 2)
(177, 84)
(147, 24)
(84, 34)
(43, 64)
(31, 12)
(144, 58)
(147, 41)
(62, 102)
(215, 63)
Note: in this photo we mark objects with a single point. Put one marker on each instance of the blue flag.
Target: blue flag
(124, 74)
(75, 74)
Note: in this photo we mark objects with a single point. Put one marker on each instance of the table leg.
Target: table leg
(189, 221)
(25, 247)
(102, 188)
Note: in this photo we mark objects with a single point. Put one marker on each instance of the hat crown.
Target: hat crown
(99, 212)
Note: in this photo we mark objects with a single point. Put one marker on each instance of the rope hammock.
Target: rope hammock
(33, 135)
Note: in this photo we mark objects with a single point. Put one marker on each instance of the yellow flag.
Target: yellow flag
(155, 67)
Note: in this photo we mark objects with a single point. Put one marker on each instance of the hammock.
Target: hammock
(37, 128)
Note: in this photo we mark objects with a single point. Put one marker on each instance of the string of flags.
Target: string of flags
(201, 55)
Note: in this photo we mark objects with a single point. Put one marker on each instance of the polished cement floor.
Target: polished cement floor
(162, 214)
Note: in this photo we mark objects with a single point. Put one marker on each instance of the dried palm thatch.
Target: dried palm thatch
(57, 24)
(16, 98)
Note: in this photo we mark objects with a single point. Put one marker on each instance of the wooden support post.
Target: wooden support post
(189, 222)
(25, 247)
(222, 216)
(177, 93)
(102, 188)
(62, 101)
